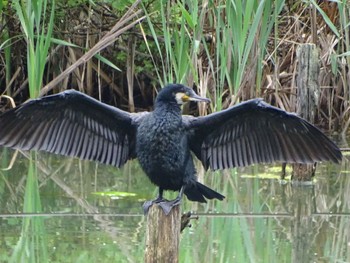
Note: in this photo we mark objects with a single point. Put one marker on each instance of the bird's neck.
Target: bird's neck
(166, 108)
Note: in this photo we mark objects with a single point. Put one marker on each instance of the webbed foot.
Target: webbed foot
(163, 203)
(146, 205)
(166, 205)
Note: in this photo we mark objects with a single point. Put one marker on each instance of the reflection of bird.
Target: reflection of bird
(73, 124)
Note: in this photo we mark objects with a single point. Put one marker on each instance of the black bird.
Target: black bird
(73, 124)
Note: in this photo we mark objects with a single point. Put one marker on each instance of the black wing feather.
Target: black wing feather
(256, 132)
(72, 124)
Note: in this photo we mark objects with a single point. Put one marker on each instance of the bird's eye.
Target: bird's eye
(187, 93)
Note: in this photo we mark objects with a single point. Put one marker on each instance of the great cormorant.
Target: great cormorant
(73, 124)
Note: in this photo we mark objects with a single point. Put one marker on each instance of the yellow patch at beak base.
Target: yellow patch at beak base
(181, 97)
(185, 97)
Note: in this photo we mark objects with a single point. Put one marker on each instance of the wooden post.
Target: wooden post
(162, 235)
(307, 81)
(307, 98)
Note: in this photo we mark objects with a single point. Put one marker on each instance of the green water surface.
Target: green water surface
(56, 209)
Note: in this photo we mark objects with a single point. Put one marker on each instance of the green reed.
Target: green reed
(32, 243)
(218, 42)
(37, 24)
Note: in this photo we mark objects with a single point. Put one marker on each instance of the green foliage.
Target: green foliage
(175, 42)
(38, 32)
(344, 47)
(32, 244)
(235, 48)
(6, 45)
(120, 5)
(326, 18)
(237, 30)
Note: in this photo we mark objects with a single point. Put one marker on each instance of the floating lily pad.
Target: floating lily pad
(114, 194)
(261, 175)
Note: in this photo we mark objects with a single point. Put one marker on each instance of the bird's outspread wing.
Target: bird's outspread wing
(256, 132)
(72, 124)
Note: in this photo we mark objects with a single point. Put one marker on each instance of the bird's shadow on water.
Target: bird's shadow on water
(258, 215)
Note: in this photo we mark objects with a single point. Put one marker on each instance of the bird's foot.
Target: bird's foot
(166, 205)
(146, 205)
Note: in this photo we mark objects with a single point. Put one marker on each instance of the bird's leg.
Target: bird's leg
(146, 205)
(180, 195)
(164, 204)
(168, 205)
(160, 196)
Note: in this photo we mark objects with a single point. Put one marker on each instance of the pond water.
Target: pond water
(55, 209)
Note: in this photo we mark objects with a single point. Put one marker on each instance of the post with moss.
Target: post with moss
(162, 235)
(308, 93)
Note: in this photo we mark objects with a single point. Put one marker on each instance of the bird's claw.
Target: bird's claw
(168, 205)
(146, 205)
(164, 204)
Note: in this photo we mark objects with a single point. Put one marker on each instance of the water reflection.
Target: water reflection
(259, 221)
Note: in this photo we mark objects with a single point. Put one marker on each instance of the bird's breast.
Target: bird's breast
(161, 147)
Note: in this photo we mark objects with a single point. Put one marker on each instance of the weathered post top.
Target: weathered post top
(162, 235)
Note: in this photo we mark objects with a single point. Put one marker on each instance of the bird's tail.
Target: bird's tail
(197, 192)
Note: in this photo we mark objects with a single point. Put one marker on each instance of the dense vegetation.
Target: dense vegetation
(228, 50)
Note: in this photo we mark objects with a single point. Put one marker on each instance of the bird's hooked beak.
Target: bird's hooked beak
(195, 97)
(183, 97)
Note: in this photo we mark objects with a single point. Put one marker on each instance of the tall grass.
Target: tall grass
(6, 45)
(242, 32)
(176, 42)
(236, 50)
(233, 50)
(239, 48)
(343, 60)
(38, 32)
(32, 244)
(219, 43)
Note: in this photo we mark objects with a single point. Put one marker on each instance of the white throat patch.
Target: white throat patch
(179, 97)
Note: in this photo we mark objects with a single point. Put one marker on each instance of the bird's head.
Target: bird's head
(178, 93)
